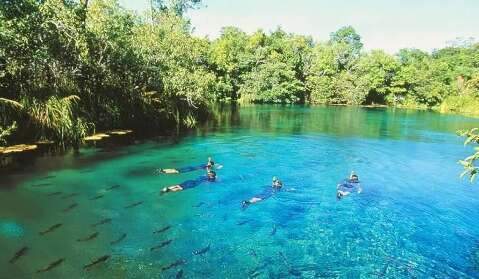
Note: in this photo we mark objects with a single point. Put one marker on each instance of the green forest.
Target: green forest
(69, 68)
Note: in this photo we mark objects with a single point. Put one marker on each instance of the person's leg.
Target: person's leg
(174, 188)
(246, 203)
(169, 171)
(255, 200)
(341, 194)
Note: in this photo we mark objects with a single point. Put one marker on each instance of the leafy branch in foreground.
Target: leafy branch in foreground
(472, 136)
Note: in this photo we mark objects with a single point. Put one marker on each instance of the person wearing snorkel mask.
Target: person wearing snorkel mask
(348, 186)
(277, 184)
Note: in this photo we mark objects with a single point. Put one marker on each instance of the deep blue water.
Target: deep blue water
(414, 219)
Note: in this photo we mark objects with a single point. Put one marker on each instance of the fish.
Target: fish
(70, 196)
(42, 185)
(102, 222)
(133, 205)
(291, 270)
(54, 194)
(113, 187)
(179, 274)
(161, 245)
(70, 207)
(162, 230)
(88, 238)
(252, 252)
(175, 264)
(123, 236)
(51, 266)
(20, 253)
(242, 222)
(50, 229)
(257, 269)
(202, 251)
(97, 197)
(199, 204)
(49, 176)
(97, 261)
(273, 231)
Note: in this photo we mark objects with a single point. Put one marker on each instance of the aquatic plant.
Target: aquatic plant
(472, 137)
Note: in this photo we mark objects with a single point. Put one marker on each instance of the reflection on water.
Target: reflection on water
(99, 214)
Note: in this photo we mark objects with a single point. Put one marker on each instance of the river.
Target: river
(414, 217)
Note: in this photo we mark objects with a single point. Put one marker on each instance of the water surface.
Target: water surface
(414, 218)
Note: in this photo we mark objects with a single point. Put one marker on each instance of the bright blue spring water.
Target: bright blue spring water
(414, 219)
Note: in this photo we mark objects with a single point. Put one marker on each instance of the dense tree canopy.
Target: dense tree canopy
(69, 67)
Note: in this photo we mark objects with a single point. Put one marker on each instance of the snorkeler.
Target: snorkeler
(266, 194)
(210, 163)
(208, 166)
(348, 186)
(276, 183)
(210, 177)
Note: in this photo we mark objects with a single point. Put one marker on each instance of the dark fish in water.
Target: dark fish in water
(242, 222)
(113, 187)
(202, 251)
(97, 197)
(70, 196)
(42, 185)
(199, 204)
(161, 245)
(20, 253)
(102, 222)
(120, 239)
(49, 176)
(253, 253)
(70, 207)
(292, 271)
(133, 205)
(273, 232)
(88, 238)
(179, 275)
(175, 264)
(50, 229)
(97, 261)
(55, 194)
(51, 265)
(162, 230)
(257, 269)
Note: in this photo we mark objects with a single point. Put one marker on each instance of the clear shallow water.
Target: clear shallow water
(414, 218)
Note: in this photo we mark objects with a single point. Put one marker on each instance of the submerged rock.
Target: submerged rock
(11, 229)
(119, 132)
(95, 137)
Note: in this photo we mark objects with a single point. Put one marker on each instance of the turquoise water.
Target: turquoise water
(414, 219)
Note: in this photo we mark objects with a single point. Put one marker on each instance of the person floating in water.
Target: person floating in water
(210, 177)
(276, 186)
(348, 186)
(208, 166)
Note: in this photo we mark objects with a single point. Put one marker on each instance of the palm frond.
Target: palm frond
(11, 103)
